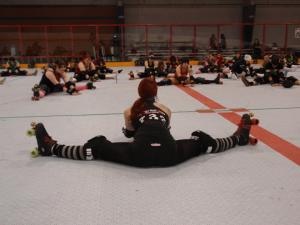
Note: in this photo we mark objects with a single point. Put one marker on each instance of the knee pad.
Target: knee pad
(71, 87)
(202, 137)
(96, 142)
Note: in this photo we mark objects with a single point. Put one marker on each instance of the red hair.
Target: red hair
(147, 90)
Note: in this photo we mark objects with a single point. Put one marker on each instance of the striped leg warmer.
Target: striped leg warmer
(215, 145)
(223, 144)
(72, 152)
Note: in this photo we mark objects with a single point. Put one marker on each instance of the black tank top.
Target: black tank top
(47, 82)
(152, 115)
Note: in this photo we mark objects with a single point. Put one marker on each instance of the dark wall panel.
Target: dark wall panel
(58, 14)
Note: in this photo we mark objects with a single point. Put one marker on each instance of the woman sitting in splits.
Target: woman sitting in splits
(184, 75)
(148, 122)
(13, 69)
(50, 82)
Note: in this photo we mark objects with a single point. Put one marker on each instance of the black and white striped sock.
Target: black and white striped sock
(72, 152)
(223, 144)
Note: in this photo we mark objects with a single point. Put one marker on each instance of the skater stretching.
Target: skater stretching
(273, 74)
(86, 69)
(13, 69)
(184, 75)
(148, 122)
(50, 82)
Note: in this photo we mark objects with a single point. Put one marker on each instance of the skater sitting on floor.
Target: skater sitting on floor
(102, 69)
(50, 82)
(71, 66)
(149, 68)
(290, 59)
(13, 69)
(161, 70)
(86, 69)
(274, 75)
(208, 65)
(148, 122)
(184, 75)
(172, 64)
(242, 66)
(101, 66)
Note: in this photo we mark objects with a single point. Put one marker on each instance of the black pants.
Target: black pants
(15, 72)
(152, 147)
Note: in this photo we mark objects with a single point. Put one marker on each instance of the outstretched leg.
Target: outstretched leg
(240, 137)
(96, 148)
(48, 147)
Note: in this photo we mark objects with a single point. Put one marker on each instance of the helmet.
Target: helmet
(248, 57)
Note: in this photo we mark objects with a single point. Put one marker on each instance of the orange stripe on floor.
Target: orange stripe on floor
(285, 148)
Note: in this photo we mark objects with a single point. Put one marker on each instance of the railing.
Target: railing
(122, 42)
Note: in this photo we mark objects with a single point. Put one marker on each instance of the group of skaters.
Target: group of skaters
(86, 70)
(173, 72)
(274, 70)
(12, 68)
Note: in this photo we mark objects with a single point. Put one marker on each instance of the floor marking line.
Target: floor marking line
(285, 148)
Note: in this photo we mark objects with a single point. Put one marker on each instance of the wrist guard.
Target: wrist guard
(128, 133)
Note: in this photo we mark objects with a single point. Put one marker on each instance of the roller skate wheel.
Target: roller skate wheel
(30, 133)
(34, 153)
(34, 98)
(252, 141)
(254, 121)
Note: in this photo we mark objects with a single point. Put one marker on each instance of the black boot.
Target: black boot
(90, 85)
(217, 80)
(243, 131)
(246, 82)
(36, 92)
(44, 141)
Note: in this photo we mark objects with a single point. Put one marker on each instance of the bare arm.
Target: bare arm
(128, 122)
(65, 77)
(178, 71)
(81, 66)
(92, 65)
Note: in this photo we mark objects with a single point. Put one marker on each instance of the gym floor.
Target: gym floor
(253, 184)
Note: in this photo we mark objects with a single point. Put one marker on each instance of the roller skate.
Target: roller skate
(36, 93)
(44, 141)
(217, 80)
(131, 75)
(94, 78)
(2, 79)
(245, 81)
(71, 88)
(90, 85)
(34, 73)
(119, 71)
(243, 131)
